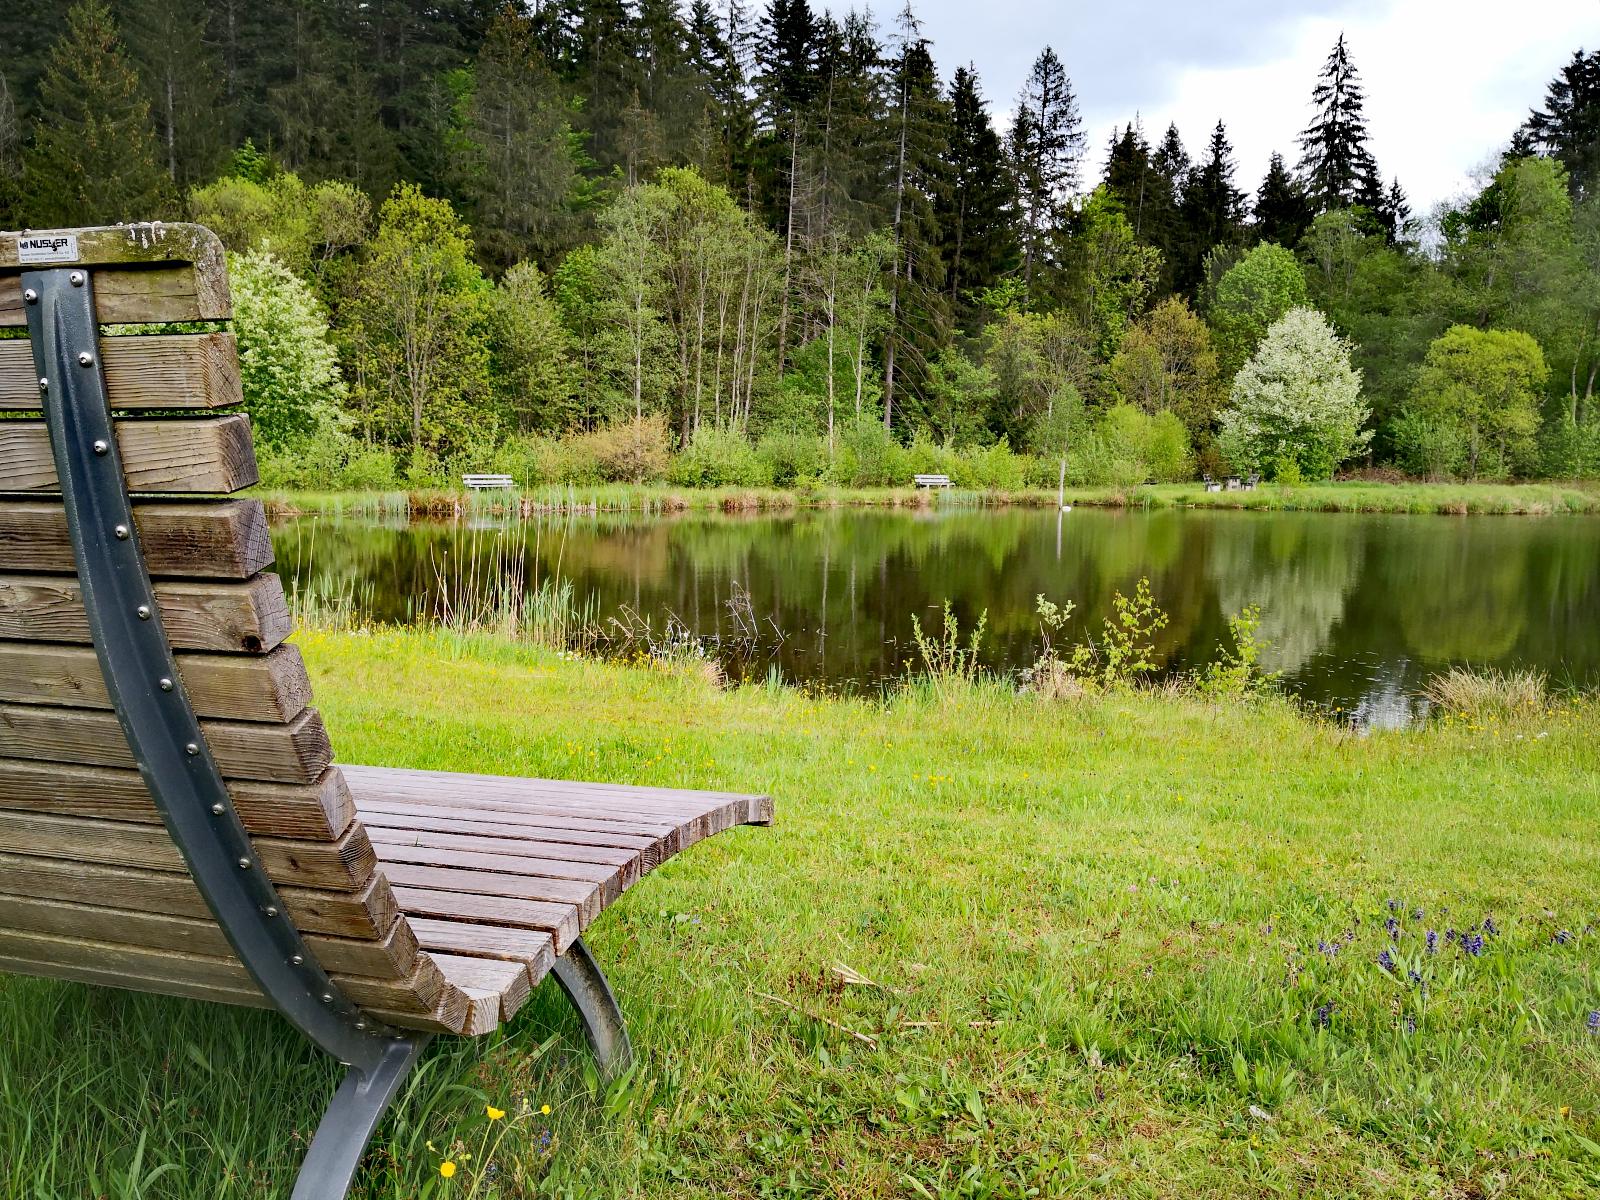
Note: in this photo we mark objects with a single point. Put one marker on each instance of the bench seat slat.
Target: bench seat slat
(269, 687)
(227, 540)
(210, 455)
(170, 371)
(239, 618)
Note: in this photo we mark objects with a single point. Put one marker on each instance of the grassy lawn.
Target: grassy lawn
(1091, 931)
(1537, 499)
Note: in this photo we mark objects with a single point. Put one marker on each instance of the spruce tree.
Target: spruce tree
(1393, 211)
(10, 158)
(1129, 173)
(975, 207)
(94, 157)
(1212, 210)
(1282, 213)
(1046, 148)
(1568, 126)
(166, 39)
(1336, 166)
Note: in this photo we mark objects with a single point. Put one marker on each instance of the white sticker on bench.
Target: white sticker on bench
(44, 248)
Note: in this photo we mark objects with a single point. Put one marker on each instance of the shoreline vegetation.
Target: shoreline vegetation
(997, 944)
(1354, 496)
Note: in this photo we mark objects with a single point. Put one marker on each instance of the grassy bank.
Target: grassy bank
(1531, 499)
(1111, 949)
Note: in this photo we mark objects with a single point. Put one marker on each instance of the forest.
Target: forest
(621, 240)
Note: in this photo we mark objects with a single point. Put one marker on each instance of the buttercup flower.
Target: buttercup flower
(544, 1110)
(493, 1113)
(447, 1169)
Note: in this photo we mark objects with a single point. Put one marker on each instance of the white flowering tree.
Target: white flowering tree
(1296, 409)
(288, 368)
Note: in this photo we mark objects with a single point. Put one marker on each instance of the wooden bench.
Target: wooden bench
(931, 481)
(487, 483)
(171, 816)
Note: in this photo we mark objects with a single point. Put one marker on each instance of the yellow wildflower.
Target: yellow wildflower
(544, 1109)
(493, 1113)
(447, 1168)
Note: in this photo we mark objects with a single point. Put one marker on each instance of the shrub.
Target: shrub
(719, 458)
(538, 460)
(791, 458)
(1480, 695)
(869, 457)
(369, 469)
(631, 451)
(993, 467)
(1129, 446)
(287, 366)
(1483, 386)
(1298, 397)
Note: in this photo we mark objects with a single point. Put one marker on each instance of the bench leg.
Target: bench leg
(585, 984)
(351, 1120)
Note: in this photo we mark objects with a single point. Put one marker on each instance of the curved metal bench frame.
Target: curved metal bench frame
(164, 734)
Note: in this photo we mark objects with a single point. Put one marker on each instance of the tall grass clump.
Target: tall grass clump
(1479, 696)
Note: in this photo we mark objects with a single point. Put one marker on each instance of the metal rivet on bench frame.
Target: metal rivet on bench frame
(76, 279)
(297, 959)
(142, 612)
(85, 359)
(327, 997)
(166, 685)
(191, 749)
(218, 809)
(122, 533)
(31, 296)
(244, 864)
(101, 446)
(44, 384)
(271, 910)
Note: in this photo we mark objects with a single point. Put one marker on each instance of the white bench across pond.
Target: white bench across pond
(932, 481)
(479, 483)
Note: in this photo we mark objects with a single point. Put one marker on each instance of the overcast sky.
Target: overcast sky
(1447, 81)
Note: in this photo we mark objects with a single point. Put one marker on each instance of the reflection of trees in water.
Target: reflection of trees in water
(1299, 568)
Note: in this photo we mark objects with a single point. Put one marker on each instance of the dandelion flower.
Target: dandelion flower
(447, 1169)
(544, 1110)
(493, 1113)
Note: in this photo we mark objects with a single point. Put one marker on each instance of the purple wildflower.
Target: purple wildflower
(1472, 943)
(1593, 1023)
(1323, 1017)
(1393, 926)
(1411, 1023)
(544, 1140)
(1490, 928)
(1450, 935)
(1386, 961)
(1325, 948)
(1414, 976)
(1418, 914)
(1561, 937)
(1432, 941)
(1394, 905)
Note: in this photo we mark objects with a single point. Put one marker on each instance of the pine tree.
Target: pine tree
(94, 157)
(166, 39)
(1212, 209)
(1129, 173)
(1336, 166)
(1393, 211)
(1282, 213)
(975, 208)
(1568, 126)
(1046, 147)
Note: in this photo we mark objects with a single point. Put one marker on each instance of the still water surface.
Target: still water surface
(1360, 611)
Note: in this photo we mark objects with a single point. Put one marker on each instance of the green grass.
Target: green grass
(1091, 927)
(1529, 499)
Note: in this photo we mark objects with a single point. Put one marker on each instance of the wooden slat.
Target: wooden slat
(195, 455)
(120, 976)
(229, 540)
(367, 914)
(195, 370)
(319, 810)
(271, 687)
(404, 849)
(584, 897)
(508, 982)
(558, 920)
(556, 823)
(394, 957)
(537, 845)
(130, 244)
(534, 952)
(297, 752)
(249, 618)
(342, 865)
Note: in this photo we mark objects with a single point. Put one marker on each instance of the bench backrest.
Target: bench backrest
(92, 886)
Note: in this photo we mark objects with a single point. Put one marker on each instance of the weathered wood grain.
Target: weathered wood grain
(560, 921)
(245, 618)
(506, 982)
(201, 454)
(342, 865)
(607, 881)
(584, 897)
(365, 915)
(147, 271)
(269, 687)
(227, 540)
(320, 810)
(296, 752)
(183, 370)
(534, 952)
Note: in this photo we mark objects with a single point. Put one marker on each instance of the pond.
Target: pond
(1359, 611)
